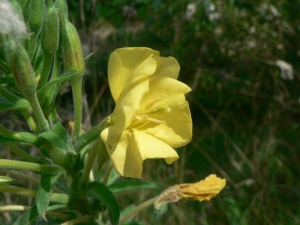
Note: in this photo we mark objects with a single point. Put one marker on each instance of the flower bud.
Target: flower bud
(50, 30)
(62, 8)
(36, 15)
(21, 67)
(5, 180)
(72, 52)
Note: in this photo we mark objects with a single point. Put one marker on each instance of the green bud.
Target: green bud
(5, 180)
(18, 8)
(36, 15)
(62, 8)
(22, 3)
(21, 67)
(50, 30)
(72, 52)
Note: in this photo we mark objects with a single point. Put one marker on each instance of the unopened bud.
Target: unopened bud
(50, 30)
(36, 15)
(5, 180)
(71, 46)
(62, 8)
(21, 67)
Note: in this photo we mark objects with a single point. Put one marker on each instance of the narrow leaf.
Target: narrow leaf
(29, 217)
(132, 185)
(100, 192)
(44, 192)
(61, 78)
(59, 137)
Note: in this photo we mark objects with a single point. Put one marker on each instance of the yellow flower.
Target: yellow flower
(202, 190)
(151, 116)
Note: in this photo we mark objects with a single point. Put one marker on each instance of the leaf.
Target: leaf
(100, 192)
(59, 137)
(61, 78)
(28, 217)
(130, 185)
(44, 192)
(6, 105)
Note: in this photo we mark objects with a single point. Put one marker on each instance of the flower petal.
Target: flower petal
(167, 67)
(123, 62)
(123, 152)
(175, 128)
(127, 108)
(151, 147)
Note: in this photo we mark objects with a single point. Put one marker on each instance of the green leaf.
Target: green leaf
(61, 78)
(29, 217)
(44, 192)
(59, 137)
(131, 185)
(6, 105)
(100, 192)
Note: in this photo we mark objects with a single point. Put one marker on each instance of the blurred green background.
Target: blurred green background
(241, 59)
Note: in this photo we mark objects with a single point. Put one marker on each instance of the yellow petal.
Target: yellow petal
(127, 107)
(122, 64)
(123, 152)
(167, 67)
(151, 147)
(175, 128)
(163, 88)
(204, 189)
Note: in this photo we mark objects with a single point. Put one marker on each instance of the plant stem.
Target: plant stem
(18, 190)
(138, 209)
(22, 137)
(23, 208)
(19, 165)
(56, 197)
(107, 173)
(37, 111)
(82, 219)
(89, 164)
(76, 84)
(90, 135)
(24, 154)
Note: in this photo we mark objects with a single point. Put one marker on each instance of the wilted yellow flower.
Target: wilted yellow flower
(202, 190)
(151, 116)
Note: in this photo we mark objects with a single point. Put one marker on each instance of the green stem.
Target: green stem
(90, 135)
(37, 111)
(59, 198)
(83, 219)
(18, 190)
(24, 154)
(47, 62)
(107, 173)
(138, 209)
(76, 84)
(23, 208)
(21, 137)
(19, 165)
(31, 123)
(89, 164)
